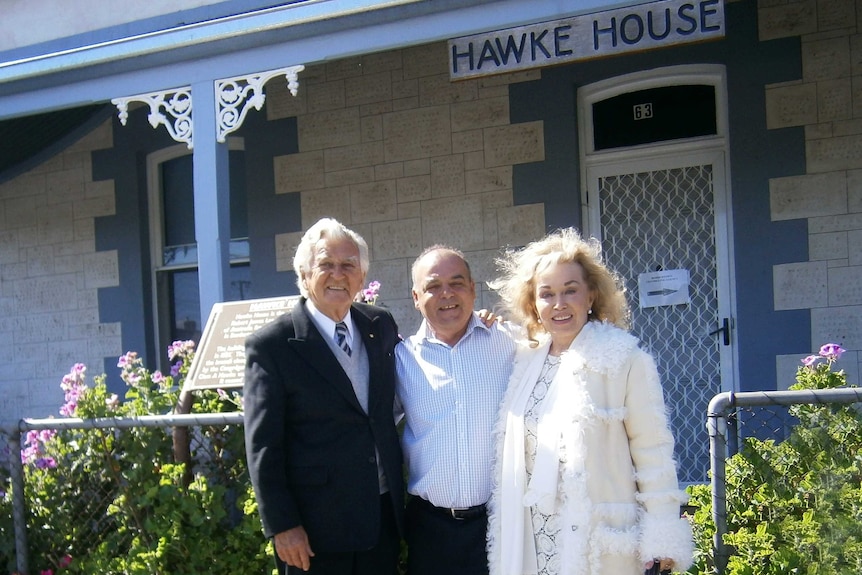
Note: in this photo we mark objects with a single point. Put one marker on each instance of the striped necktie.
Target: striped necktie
(341, 337)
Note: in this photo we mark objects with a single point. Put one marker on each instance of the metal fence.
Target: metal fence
(798, 445)
(737, 423)
(103, 507)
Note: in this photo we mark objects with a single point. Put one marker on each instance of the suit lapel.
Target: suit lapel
(310, 345)
(368, 330)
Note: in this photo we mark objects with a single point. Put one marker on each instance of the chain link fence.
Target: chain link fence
(148, 494)
(786, 482)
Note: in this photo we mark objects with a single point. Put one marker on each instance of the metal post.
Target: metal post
(716, 424)
(19, 511)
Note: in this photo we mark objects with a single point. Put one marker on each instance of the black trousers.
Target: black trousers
(438, 544)
(381, 559)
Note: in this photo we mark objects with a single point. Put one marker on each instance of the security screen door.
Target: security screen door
(658, 215)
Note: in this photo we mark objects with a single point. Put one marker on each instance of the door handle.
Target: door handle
(724, 329)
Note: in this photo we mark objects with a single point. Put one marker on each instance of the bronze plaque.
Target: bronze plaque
(219, 362)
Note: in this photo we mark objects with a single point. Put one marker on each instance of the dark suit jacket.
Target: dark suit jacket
(310, 446)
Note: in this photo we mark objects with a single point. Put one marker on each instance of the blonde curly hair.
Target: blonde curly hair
(517, 283)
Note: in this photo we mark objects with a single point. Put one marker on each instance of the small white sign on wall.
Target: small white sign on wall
(666, 287)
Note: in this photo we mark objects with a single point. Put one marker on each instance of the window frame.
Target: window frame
(155, 206)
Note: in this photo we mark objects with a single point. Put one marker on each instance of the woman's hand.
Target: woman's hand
(664, 565)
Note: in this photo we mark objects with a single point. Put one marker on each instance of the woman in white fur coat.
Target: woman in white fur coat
(585, 476)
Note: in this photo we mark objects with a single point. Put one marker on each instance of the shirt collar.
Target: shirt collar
(424, 332)
(325, 324)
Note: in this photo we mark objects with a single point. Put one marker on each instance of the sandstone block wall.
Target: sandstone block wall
(827, 101)
(393, 149)
(50, 274)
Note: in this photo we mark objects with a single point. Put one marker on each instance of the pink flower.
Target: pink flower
(47, 435)
(65, 561)
(809, 361)
(127, 360)
(180, 349)
(46, 572)
(369, 294)
(29, 454)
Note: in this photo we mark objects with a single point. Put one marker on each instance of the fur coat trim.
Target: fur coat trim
(593, 532)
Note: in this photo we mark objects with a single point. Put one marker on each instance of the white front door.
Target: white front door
(667, 212)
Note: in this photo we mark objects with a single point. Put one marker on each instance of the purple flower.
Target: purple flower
(46, 463)
(832, 351)
(223, 394)
(175, 368)
(809, 361)
(158, 377)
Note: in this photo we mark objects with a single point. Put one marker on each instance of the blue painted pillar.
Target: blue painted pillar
(212, 200)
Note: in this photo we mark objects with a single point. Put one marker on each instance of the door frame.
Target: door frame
(665, 155)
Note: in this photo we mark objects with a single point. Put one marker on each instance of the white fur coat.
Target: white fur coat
(605, 460)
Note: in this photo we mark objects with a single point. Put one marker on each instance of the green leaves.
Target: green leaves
(793, 506)
(119, 504)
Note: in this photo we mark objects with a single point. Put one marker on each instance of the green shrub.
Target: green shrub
(114, 501)
(794, 506)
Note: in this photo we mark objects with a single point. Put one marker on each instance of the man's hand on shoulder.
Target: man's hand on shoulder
(292, 547)
(488, 317)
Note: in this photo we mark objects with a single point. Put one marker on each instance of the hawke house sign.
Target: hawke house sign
(641, 27)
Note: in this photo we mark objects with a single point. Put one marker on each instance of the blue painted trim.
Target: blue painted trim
(256, 42)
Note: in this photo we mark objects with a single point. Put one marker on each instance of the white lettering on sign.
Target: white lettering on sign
(641, 27)
(642, 111)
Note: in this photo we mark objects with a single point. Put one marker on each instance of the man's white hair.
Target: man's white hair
(325, 228)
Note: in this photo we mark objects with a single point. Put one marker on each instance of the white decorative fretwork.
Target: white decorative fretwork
(235, 95)
(177, 103)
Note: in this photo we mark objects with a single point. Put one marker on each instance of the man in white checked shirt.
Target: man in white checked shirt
(451, 377)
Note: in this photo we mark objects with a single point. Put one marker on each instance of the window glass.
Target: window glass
(185, 304)
(654, 115)
(177, 194)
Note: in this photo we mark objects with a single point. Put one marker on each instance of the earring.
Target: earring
(590, 312)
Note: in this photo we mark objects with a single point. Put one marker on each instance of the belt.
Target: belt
(459, 514)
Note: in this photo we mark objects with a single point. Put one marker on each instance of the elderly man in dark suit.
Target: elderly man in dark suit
(323, 450)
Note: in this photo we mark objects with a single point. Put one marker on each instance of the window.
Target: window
(176, 295)
(654, 115)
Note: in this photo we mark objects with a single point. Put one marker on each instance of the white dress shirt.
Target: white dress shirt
(450, 396)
